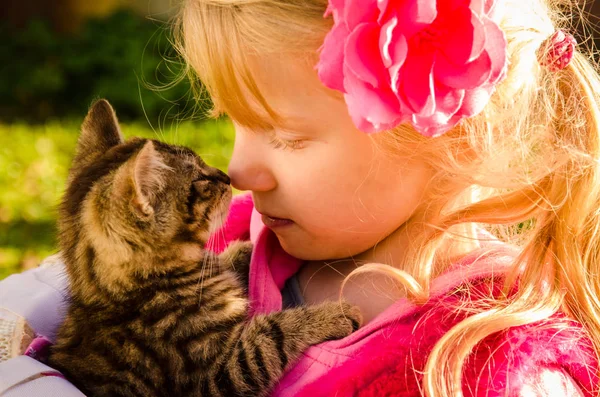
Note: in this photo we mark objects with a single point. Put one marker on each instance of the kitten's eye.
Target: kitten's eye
(197, 193)
(188, 168)
(201, 187)
(213, 175)
(198, 185)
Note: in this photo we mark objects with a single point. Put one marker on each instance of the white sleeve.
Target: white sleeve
(38, 295)
(25, 377)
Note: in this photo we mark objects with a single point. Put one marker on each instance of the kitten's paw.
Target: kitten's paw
(236, 257)
(244, 250)
(238, 253)
(352, 314)
(339, 319)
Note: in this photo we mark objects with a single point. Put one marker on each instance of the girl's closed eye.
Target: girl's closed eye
(285, 140)
(280, 143)
(279, 138)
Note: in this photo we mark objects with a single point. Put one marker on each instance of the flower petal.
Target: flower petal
(469, 76)
(495, 47)
(384, 14)
(398, 53)
(433, 126)
(475, 101)
(336, 7)
(330, 66)
(358, 12)
(394, 48)
(416, 82)
(371, 110)
(413, 16)
(465, 38)
(448, 103)
(362, 57)
(491, 8)
(385, 40)
(446, 7)
(478, 7)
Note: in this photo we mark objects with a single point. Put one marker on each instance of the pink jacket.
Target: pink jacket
(387, 355)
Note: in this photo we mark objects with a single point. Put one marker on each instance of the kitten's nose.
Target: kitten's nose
(219, 176)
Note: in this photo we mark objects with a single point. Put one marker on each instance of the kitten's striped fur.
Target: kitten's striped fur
(151, 313)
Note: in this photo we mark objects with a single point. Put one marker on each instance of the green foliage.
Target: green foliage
(47, 75)
(35, 160)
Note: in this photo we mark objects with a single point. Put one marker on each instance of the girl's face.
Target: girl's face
(324, 187)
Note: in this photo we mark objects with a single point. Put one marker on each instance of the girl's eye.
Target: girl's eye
(279, 143)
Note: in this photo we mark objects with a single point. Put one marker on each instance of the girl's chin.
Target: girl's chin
(304, 251)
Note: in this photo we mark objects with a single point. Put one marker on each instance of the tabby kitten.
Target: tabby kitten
(151, 312)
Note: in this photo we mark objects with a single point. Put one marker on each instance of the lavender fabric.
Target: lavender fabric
(25, 377)
(37, 295)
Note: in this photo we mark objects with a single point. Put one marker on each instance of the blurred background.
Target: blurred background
(56, 57)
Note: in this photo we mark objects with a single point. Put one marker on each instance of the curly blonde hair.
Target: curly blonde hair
(528, 166)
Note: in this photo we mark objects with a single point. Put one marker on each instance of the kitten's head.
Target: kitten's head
(140, 197)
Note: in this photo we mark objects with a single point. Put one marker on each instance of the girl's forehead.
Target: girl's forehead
(293, 89)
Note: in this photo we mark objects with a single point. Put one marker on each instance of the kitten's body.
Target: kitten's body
(151, 313)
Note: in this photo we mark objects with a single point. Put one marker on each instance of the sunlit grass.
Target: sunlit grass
(34, 162)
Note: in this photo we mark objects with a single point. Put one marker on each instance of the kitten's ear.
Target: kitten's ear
(149, 178)
(100, 132)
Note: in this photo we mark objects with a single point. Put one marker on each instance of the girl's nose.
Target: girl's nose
(248, 168)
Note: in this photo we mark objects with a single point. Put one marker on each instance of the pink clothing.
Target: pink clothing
(385, 357)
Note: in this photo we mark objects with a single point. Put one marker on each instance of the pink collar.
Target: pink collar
(270, 267)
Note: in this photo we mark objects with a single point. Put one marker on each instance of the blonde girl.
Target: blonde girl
(433, 162)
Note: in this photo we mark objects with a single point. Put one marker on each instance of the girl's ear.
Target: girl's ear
(100, 132)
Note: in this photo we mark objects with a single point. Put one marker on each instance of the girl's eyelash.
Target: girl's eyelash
(279, 143)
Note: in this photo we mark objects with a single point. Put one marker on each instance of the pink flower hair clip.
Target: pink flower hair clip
(557, 52)
(431, 63)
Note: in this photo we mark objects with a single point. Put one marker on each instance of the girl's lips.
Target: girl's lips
(274, 223)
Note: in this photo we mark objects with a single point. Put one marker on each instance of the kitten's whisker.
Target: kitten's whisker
(200, 284)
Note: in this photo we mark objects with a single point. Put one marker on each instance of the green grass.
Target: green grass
(34, 162)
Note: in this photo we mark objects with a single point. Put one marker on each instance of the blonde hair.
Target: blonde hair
(532, 156)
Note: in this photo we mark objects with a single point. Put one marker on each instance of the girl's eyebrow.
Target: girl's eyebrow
(300, 124)
(293, 120)
(287, 120)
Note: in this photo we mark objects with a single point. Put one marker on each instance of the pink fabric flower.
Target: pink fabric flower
(427, 62)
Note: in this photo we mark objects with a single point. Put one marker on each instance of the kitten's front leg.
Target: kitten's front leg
(268, 344)
(236, 257)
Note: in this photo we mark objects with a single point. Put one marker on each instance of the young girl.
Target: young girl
(387, 146)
